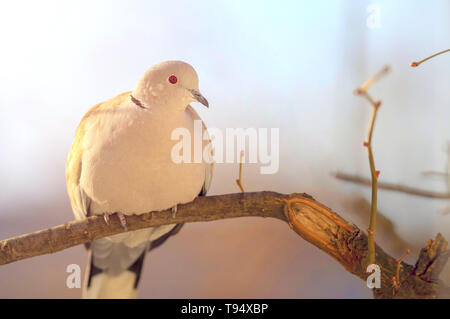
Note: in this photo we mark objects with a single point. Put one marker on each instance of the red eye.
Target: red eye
(173, 79)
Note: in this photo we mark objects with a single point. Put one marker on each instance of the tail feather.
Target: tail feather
(114, 268)
(104, 284)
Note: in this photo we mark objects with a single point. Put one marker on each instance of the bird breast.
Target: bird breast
(127, 165)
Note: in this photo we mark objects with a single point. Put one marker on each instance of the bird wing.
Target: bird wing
(79, 201)
(210, 166)
(103, 249)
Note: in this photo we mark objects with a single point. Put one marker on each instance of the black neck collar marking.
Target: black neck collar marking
(137, 102)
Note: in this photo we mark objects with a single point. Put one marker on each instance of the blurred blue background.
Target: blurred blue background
(291, 65)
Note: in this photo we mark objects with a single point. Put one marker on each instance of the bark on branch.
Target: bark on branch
(310, 219)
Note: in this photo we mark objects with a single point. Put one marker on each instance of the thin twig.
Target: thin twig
(362, 91)
(374, 78)
(433, 173)
(392, 187)
(239, 180)
(396, 280)
(416, 64)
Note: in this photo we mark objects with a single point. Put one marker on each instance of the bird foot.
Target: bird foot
(106, 218)
(123, 221)
(174, 211)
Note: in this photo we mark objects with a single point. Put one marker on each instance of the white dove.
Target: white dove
(121, 162)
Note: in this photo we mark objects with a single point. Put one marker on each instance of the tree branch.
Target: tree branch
(392, 187)
(313, 221)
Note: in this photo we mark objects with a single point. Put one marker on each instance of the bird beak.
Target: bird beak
(200, 98)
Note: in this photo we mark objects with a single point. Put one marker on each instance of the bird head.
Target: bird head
(171, 84)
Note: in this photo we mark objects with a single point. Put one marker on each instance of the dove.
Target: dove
(121, 163)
